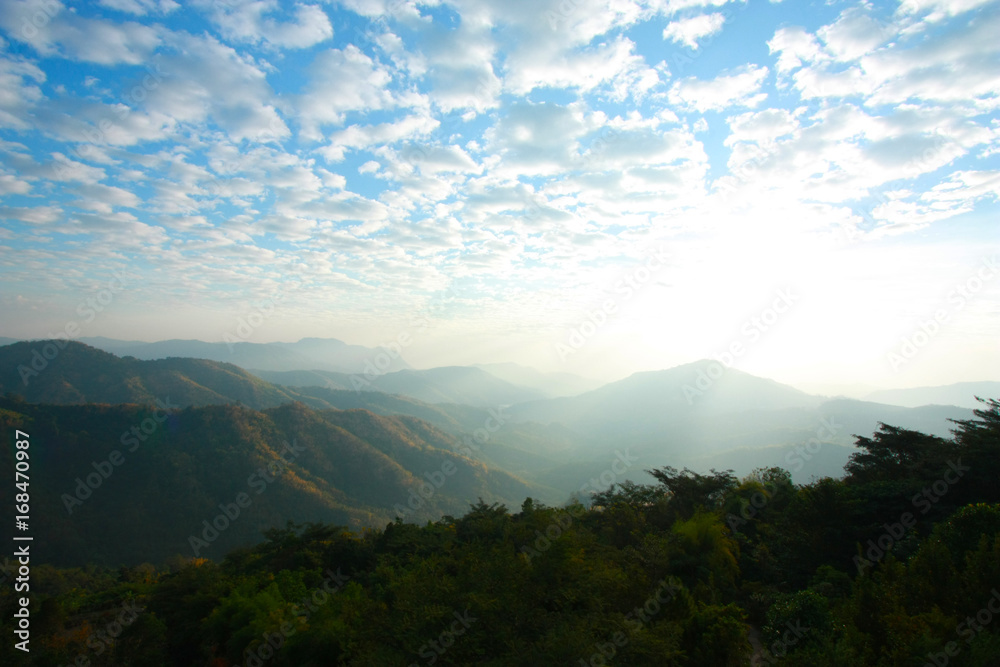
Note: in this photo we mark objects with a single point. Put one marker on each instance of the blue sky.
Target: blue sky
(594, 187)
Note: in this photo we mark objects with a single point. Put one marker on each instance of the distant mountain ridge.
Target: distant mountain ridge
(694, 415)
(961, 394)
(308, 353)
(550, 385)
(78, 373)
(447, 384)
(681, 393)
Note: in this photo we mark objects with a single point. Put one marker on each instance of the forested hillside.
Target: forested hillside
(77, 373)
(896, 564)
(119, 485)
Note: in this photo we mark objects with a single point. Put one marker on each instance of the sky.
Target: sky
(806, 191)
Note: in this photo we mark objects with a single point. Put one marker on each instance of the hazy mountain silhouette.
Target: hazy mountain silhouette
(682, 393)
(549, 385)
(681, 416)
(961, 393)
(448, 384)
(321, 353)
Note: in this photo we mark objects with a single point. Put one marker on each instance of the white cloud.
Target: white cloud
(12, 185)
(844, 154)
(52, 30)
(553, 44)
(738, 88)
(94, 126)
(341, 81)
(120, 230)
(689, 31)
(854, 34)
(17, 95)
(381, 8)
(37, 215)
(536, 138)
(473, 86)
(204, 80)
(614, 63)
(443, 159)
(966, 187)
(794, 46)
(59, 168)
(908, 67)
(815, 82)
(141, 7)
(938, 10)
(669, 7)
(948, 68)
(415, 64)
(366, 136)
(761, 127)
(247, 21)
(104, 198)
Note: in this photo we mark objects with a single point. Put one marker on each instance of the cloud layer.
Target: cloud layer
(523, 153)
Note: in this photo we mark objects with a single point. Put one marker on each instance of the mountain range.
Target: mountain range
(682, 415)
(327, 354)
(447, 384)
(369, 449)
(960, 393)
